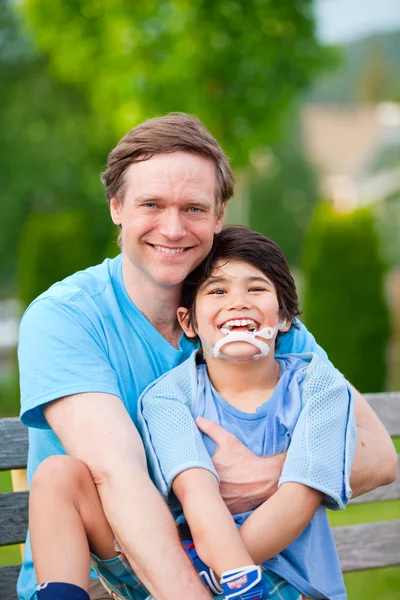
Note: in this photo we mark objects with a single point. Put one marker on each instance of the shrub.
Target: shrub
(344, 303)
(52, 246)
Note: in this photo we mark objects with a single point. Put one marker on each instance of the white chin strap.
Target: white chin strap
(251, 337)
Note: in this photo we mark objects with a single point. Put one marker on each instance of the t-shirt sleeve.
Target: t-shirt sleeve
(300, 341)
(171, 438)
(60, 352)
(322, 447)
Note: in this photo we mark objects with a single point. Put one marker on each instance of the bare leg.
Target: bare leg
(65, 520)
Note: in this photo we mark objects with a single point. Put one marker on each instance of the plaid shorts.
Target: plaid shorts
(121, 583)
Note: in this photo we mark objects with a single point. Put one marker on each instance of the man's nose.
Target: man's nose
(172, 225)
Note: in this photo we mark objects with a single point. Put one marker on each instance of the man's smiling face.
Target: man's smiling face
(168, 216)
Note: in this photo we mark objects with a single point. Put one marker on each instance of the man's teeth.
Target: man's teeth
(251, 325)
(169, 250)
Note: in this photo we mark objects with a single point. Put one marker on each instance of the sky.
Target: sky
(348, 20)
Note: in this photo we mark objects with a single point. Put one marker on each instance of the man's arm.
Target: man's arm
(97, 429)
(247, 480)
(375, 460)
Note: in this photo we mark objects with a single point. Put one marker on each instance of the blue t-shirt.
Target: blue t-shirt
(310, 415)
(85, 335)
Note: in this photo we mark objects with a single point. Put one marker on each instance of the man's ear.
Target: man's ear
(183, 317)
(115, 210)
(220, 219)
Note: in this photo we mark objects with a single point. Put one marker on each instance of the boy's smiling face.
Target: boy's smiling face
(237, 297)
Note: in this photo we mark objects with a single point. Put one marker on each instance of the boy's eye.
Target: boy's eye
(217, 292)
(257, 289)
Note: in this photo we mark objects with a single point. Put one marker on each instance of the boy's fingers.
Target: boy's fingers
(213, 430)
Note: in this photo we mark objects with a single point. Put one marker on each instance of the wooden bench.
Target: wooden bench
(365, 546)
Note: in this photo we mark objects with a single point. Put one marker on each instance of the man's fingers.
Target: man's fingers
(213, 430)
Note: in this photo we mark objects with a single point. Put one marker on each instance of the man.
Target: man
(92, 343)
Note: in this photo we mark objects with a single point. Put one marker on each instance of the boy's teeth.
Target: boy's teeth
(169, 250)
(239, 323)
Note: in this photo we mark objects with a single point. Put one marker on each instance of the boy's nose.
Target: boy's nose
(240, 301)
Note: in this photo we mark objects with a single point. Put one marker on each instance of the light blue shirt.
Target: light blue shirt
(310, 415)
(85, 335)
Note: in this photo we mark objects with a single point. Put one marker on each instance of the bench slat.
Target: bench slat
(13, 444)
(8, 582)
(14, 518)
(387, 492)
(368, 546)
(387, 407)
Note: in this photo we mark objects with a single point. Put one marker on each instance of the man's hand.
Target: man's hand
(247, 480)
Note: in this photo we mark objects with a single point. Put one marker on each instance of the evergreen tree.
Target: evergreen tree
(344, 304)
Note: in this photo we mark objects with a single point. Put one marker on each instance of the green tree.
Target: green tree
(283, 196)
(344, 303)
(237, 64)
(52, 246)
(50, 153)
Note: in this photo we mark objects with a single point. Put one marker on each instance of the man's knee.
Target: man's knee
(61, 473)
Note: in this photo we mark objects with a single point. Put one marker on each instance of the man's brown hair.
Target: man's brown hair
(172, 133)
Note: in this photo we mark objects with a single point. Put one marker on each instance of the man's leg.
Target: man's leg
(65, 520)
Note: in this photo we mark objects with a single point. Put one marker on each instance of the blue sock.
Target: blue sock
(60, 591)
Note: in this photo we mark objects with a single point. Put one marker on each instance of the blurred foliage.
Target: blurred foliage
(344, 302)
(388, 219)
(282, 200)
(52, 246)
(49, 156)
(236, 64)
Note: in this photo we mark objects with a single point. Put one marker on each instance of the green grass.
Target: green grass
(9, 555)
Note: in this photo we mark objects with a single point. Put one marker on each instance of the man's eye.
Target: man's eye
(149, 205)
(194, 209)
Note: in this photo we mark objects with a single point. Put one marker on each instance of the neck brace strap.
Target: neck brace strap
(245, 336)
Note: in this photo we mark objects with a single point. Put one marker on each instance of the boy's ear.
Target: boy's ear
(287, 326)
(183, 317)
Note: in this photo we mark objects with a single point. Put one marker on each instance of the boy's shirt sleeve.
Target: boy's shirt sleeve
(171, 438)
(322, 447)
(301, 341)
(60, 353)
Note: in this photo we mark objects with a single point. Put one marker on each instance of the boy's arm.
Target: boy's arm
(274, 525)
(215, 535)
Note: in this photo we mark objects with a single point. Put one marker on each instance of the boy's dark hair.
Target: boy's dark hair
(240, 243)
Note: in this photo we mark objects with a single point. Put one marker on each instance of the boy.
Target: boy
(238, 302)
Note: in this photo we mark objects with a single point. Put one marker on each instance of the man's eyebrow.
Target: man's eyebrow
(202, 202)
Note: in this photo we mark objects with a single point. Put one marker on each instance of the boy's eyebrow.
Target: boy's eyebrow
(213, 280)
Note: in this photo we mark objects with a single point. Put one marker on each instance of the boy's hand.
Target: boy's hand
(247, 480)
